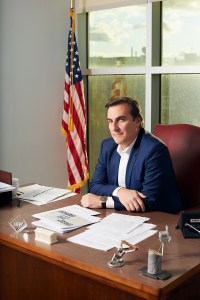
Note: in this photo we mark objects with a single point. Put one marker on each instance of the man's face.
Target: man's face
(122, 127)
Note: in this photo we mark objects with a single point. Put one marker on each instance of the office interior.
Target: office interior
(33, 51)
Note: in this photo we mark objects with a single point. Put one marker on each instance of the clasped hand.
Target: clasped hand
(90, 200)
(131, 199)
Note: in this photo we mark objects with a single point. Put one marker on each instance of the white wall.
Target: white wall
(33, 45)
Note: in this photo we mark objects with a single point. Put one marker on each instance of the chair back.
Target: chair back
(5, 197)
(183, 142)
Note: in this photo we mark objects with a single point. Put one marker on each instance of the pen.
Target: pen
(131, 246)
(43, 192)
(186, 224)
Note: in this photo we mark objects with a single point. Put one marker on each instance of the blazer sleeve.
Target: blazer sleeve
(159, 181)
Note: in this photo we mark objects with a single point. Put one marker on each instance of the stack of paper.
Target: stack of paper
(4, 187)
(45, 236)
(66, 218)
(40, 194)
(109, 232)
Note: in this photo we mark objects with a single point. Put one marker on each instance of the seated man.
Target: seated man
(134, 169)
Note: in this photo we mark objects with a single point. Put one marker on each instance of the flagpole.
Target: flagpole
(71, 102)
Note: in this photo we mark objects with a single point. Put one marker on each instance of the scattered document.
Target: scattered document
(4, 187)
(40, 194)
(110, 231)
(120, 223)
(66, 218)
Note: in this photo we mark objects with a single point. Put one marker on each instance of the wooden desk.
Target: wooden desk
(33, 270)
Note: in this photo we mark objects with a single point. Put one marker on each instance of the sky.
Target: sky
(115, 31)
(122, 31)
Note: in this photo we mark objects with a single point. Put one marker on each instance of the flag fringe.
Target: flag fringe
(79, 184)
(64, 132)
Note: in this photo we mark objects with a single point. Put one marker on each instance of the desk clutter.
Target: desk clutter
(102, 234)
(116, 230)
(35, 193)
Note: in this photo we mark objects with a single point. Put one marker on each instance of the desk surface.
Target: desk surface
(181, 259)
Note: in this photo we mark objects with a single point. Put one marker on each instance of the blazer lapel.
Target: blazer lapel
(130, 166)
(113, 167)
(133, 157)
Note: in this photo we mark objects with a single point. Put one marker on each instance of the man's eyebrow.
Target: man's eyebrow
(118, 118)
(122, 117)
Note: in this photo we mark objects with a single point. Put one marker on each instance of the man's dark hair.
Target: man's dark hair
(134, 107)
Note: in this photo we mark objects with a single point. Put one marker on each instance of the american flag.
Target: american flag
(74, 115)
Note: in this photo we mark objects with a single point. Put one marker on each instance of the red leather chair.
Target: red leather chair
(183, 142)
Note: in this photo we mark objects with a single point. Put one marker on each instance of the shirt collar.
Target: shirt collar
(127, 150)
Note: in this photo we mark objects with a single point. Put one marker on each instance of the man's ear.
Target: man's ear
(138, 121)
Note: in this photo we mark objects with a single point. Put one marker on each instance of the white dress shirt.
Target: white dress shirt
(125, 154)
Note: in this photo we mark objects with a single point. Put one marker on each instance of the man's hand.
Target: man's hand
(91, 201)
(131, 199)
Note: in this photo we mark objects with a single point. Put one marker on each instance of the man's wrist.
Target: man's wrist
(103, 200)
(115, 192)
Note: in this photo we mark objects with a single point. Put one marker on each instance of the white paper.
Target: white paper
(106, 241)
(40, 194)
(118, 223)
(4, 187)
(110, 231)
(43, 224)
(66, 218)
(92, 240)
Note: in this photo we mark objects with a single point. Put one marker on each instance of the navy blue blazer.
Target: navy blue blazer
(149, 170)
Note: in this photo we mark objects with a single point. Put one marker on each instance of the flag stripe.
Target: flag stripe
(74, 115)
(75, 162)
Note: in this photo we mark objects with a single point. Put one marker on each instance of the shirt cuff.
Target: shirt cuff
(114, 193)
(110, 202)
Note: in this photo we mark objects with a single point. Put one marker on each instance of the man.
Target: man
(134, 169)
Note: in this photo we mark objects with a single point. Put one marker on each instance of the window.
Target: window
(117, 37)
(180, 99)
(181, 32)
(180, 92)
(153, 49)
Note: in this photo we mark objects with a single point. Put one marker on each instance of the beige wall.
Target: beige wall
(33, 45)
